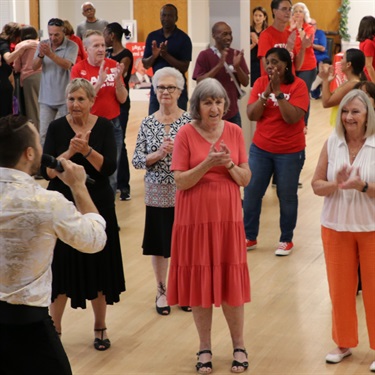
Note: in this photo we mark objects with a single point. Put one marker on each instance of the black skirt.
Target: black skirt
(158, 231)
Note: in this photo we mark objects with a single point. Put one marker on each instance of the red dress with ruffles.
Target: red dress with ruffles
(208, 256)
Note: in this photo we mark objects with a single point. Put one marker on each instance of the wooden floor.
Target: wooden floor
(288, 322)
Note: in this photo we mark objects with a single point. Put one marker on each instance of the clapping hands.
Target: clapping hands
(348, 178)
(218, 157)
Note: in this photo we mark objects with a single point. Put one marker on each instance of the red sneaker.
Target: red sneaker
(284, 248)
(251, 244)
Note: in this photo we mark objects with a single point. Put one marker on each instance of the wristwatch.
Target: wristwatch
(280, 96)
(365, 187)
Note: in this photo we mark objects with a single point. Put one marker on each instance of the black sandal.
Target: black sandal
(165, 310)
(201, 365)
(185, 308)
(237, 364)
(101, 344)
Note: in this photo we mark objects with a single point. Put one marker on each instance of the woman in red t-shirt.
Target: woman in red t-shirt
(366, 37)
(278, 103)
(301, 22)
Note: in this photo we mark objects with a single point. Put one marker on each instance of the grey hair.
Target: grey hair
(207, 88)
(168, 72)
(88, 33)
(80, 83)
(87, 3)
(362, 96)
(306, 11)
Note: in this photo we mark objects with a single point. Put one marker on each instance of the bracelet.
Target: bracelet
(88, 154)
(41, 57)
(231, 166)
(263, 96)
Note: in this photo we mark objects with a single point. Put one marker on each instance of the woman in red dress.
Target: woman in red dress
(208, 259)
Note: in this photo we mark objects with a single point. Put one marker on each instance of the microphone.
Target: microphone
(50, 162)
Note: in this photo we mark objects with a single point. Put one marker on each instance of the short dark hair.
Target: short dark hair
(28, 32)
(368, 86)
(171, 6)
(275, 5)
(284, 55)
(15, 137)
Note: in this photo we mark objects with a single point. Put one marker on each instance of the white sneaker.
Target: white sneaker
(372, 367)
(284, 248)
(337, 358)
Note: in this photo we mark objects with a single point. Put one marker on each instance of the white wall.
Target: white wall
(358, 9)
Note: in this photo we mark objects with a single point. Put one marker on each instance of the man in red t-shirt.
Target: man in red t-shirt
(277, 35)
(107, 78)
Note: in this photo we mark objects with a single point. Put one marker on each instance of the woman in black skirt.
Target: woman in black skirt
(153, 152)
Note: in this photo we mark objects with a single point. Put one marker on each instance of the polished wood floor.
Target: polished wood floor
(288, 322)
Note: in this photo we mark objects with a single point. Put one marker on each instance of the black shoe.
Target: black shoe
(125, 195)
(206, 365)
(237, 364)
(165, 310)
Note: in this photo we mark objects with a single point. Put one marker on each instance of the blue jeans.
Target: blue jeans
(286, 168)
(309, 77)
(119, 138)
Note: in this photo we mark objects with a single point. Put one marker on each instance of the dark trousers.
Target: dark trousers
(29, 343)
(123, 171)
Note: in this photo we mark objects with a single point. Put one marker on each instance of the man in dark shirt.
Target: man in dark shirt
(168, 46)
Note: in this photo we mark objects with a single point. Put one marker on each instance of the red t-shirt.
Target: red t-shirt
(368, 48)
(270, 38)
(309, 62)
(272, 133)
(106, 104)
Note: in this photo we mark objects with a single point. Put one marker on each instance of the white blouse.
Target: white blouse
(31, 219)
(350, 210)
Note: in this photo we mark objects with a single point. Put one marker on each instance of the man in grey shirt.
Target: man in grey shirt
(56, 56)
(91, 23)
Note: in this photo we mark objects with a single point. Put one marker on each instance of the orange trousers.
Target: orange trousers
(344, 251)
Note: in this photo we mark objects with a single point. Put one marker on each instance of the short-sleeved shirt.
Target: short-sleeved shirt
(55, 78)
(272, 133)
(98, 25)
(106, 104)
(269, 38)
(368, 48)
(309, 61)
(207, 60)
(179, 46)
(321, 40)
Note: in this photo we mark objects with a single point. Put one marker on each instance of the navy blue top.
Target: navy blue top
(179, 46)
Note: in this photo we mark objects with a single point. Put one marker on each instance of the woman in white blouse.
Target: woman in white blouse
(153, 152)
(345, 176)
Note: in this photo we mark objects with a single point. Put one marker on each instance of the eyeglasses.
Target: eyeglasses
(170, 89)
(88, 10)
(55, 22)
(285, 9)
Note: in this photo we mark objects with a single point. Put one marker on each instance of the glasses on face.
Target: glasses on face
(285, 9)
(170, 89)
(88, 10)
(55, 22)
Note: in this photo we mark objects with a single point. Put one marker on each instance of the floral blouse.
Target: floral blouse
(160, 188)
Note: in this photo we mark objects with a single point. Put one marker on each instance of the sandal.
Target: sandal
(237, 364)
(165, 310)
(101, 344)
(207, 365)
(185, 308)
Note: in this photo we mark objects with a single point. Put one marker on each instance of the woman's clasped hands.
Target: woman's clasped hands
(221, 156)
(80, 144)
